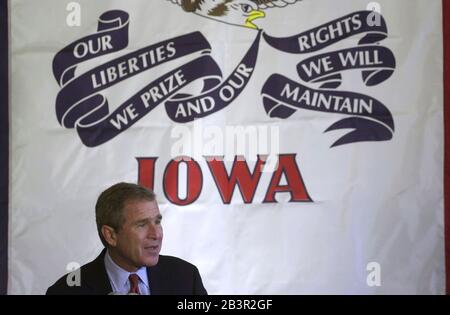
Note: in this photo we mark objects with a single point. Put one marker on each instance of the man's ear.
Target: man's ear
(109, 234)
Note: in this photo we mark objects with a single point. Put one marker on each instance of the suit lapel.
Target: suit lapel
(95, 277)
(154, 281)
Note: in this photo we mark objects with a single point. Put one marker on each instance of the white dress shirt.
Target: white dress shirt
(118, 277)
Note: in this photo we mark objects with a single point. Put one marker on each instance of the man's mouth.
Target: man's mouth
(253, 15)
(152, 249)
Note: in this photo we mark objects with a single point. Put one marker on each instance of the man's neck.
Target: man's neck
(119, 261)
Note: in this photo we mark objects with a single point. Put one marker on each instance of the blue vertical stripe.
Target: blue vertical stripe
(4, 146)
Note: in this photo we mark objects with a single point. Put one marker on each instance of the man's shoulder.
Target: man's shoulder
(174, 262)
(172, 267)
(173, 275)
(79, 281)
(64, 284)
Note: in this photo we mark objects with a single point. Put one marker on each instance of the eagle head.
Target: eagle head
(236, 12)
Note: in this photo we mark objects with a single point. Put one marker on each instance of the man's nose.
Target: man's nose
(154, 231)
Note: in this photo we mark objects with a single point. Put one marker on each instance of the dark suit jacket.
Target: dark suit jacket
(170, 276)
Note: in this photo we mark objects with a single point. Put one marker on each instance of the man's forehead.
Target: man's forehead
(141, 206)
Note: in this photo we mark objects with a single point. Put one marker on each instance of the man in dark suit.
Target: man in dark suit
(129, 225)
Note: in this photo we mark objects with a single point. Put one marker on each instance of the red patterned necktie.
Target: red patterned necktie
(134, 283)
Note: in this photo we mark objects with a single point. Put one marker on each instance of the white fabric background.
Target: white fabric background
(373, 202)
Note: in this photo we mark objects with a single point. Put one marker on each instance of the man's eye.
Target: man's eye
(246, 8)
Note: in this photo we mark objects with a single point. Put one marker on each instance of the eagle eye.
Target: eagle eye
(246, 8)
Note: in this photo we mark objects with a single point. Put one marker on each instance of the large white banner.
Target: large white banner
(311, 134)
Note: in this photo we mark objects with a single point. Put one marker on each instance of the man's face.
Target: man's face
(138, 242)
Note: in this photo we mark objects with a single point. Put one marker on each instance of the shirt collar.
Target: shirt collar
(119, 276)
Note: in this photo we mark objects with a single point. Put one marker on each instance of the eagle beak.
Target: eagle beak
(253, 15)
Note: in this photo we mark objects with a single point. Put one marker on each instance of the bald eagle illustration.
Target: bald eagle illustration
(235, 12)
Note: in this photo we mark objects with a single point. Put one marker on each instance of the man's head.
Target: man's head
(129, 225)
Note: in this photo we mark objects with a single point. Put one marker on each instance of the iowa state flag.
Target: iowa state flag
(295, 147)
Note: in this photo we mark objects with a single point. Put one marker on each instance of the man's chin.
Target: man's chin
(152, 260)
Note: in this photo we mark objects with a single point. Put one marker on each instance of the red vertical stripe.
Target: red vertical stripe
(446, 25)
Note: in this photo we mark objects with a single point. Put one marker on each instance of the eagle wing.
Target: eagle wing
(266, 4)
(262, 4)
(176, 1)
